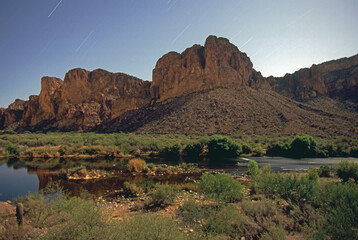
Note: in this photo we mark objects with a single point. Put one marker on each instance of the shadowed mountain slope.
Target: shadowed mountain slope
(229, 112)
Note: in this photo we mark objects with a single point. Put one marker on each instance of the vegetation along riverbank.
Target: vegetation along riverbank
(319, 204)
(42, 146)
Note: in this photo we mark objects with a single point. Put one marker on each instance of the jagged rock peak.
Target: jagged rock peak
(216, 64)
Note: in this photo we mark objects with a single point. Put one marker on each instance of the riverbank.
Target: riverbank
(40, 146)
(259, 205)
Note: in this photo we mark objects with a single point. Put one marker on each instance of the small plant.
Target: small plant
(346, 170)
(163, 195)
(136, 165)
(324, 171)
(313, 174)
(252, 169)
(12, 149)
(221, 187)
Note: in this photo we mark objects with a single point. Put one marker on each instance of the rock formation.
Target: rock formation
(86, 100)
(216, 64)
(335, 79)
(80, 102)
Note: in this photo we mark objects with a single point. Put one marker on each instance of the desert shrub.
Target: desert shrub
(136, 165)
(313, 174)
(163, 195)
(303, 146)
(252, 169)
(36, 208)
(278, 150)
(83, 220)
(258, 151)
(324, 171)
(221, 187)
(193, 150)
(246, 149)
(172, 152)
(346, 170)
(274, 232)
(191, 212)
(225, 222)
(339, 204)
(289, 187)
(148, 226)
(223, 147)
(12, 149)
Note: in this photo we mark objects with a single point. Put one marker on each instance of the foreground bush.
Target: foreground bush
(289, 187)
(339, 204)
(223, 147)
(163, 195)
(221, 187)
(148, 226)
(346, 170)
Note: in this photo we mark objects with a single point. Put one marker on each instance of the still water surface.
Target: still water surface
(17, 180)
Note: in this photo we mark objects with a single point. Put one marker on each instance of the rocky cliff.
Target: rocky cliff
(216, 64)
(91, 100)
(80, 102)
(335, 79)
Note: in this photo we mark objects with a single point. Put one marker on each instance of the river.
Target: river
(18, 180)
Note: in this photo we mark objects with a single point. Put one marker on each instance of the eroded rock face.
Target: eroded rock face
(80, 102)
(13, 114)
(335, 79)
(218, 64)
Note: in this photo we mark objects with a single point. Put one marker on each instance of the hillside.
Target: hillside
(229, 112)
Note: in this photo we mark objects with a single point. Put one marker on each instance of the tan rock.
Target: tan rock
(218, 64)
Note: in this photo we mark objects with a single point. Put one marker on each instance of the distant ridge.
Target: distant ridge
(204, 90)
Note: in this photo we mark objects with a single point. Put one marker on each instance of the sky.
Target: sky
(49, 37)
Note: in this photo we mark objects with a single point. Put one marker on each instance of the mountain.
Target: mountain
(204, 90)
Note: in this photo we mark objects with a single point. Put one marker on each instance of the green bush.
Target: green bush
(222, 147)
(193, 150)
(346, 170)
(225, 222)
(252, 169)
(339, 204)
(81, 220)
(324, 171)
(303, 146)
(36, 209)
(221, 187)
(148, 226)
(11, 149)
(163, 195)
(313, 174)
(278, 150)
(289, 187)
(11, 132)
(172, 152)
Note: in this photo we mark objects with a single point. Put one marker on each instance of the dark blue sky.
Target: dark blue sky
(49, 37)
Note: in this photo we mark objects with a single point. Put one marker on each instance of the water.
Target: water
(17, 180)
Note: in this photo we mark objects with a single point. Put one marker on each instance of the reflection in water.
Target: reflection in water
(17, 180)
